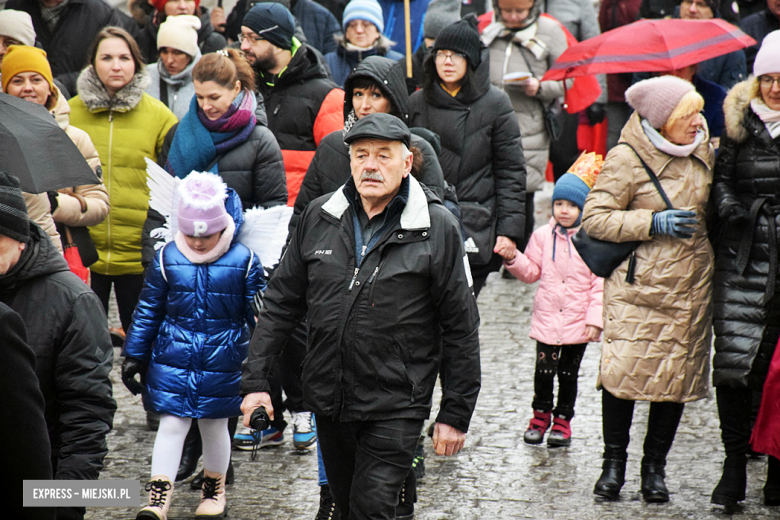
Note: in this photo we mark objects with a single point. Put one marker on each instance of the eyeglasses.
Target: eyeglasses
(768, 81)
(249, 37)
(455, 58)
(699, 5)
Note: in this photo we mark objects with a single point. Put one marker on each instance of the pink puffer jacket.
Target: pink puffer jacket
(569, 295)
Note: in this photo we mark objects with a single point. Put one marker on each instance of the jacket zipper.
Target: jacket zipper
(110, 168)
(371, 283)
(354, 277)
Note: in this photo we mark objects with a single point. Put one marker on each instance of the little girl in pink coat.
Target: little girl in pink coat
(567, 306)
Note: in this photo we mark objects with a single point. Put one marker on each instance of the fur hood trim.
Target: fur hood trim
(737, 101)
(383, 43)
(95, 95)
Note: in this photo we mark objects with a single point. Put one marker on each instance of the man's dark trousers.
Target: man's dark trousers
(366, 463)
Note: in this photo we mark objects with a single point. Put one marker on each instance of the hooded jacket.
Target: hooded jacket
(178, 87)
(192, 325)
(303, 106)
(747, 177)
(657, 330)
(330, 167)
(124, 129)
(343, 61)
(378, 332)
(569, 295)
(67, 330)
(481, 155)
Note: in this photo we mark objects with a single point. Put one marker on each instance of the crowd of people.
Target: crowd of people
(405, 184)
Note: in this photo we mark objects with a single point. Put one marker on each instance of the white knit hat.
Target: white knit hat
(17, 25)
(179, 32)
(656, 98)
(768, 57)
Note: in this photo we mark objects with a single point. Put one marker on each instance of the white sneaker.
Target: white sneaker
(304, 430)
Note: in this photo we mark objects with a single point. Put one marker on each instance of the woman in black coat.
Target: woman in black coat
(746, 192)
(480, 139)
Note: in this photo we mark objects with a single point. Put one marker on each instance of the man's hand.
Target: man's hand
(531, 87)
(256, 400)
(592, 333)
(505, 247)
(446, 439)
(218, 19)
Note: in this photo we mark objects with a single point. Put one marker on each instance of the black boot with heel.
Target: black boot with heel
(612, 478)
(653, 485)
(731, 488)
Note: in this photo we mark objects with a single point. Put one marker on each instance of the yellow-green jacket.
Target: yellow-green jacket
(125, 129)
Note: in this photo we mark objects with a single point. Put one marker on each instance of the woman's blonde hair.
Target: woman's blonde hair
(689, 104)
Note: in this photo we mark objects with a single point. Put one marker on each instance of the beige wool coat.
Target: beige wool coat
(658, 330)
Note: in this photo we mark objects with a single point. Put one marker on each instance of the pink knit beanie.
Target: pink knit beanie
(768, 57)
(202, 204)
(656, 98)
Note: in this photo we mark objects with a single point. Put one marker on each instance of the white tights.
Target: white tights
(170, 441)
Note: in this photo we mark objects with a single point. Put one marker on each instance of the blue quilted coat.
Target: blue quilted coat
(192, 326)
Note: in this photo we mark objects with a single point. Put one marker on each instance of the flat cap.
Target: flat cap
(379, 126)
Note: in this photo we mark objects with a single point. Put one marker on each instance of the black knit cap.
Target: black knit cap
(272, 22)
(14, 222)
(462, 37)
(379, 126)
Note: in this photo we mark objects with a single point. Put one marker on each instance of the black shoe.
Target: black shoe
(328, 509)
(611, 480)
(196, 484)
(653, 486)
(191, 452)
(731, 488)
(772, 486)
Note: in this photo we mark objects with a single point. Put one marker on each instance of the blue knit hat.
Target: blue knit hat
(572, 188)
(368, 10)
(272, 22)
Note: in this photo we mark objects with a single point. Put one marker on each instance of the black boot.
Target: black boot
(328, 509)
(772, 486)
(731, 488)
(196, 484)
(653, 486)
(406, 499)
(611, 480)
(191, 452)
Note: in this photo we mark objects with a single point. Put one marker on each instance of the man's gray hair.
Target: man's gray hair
(405, 151)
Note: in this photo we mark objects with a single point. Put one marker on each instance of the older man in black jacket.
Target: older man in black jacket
(380, 267)
(68, 332)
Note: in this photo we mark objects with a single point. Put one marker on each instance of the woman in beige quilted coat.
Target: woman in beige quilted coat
(657, 328)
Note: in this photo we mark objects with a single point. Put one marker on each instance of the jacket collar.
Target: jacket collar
(95, 96)
(182, 78)
(415, 215)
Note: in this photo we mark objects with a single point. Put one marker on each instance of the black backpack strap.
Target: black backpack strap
(653, 178)
(164, 92)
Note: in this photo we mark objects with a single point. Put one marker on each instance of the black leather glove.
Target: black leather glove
(734, 213)
(53, 200)
(131, 367)
(596, 113)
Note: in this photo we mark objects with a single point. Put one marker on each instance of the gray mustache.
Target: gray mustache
(372, 176)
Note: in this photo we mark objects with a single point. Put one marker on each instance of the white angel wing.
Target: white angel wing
(265, 232)
(163, 198)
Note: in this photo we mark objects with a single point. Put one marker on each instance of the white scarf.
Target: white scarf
(771, 118)
(678, 150)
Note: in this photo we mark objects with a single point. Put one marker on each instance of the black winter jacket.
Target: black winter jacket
(758, 25)
(67, 330)
(254, 169)
(378, 332)
(330, 169)
(209, 40)
(67, 46)
(746, 294)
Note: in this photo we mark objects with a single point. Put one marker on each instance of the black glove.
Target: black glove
(131, 367)
(734, 213)
(53, 200)
(596, 113)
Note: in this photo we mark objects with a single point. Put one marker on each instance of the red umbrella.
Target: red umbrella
(649, 45)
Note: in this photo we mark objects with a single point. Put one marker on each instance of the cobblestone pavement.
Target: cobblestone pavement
(497, 475)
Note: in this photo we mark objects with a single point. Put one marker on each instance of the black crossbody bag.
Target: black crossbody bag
(602, 256)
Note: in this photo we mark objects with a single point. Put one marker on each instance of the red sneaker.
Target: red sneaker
(560, 434)
(538, 425)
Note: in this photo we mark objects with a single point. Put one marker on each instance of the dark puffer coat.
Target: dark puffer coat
(481, 151)
(343, 61)
(67, 330)
(330, 169)
(746, 295)
(379, 331)
(253, 169)
(191, 325)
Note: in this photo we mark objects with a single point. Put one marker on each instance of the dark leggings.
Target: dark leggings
(127, 288)
(563, 360)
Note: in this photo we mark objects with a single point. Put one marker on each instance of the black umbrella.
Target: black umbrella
(36, 150)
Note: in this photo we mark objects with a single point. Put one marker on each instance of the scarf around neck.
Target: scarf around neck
(677, 150)
(771, 118)
(199, 140)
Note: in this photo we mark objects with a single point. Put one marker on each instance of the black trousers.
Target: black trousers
(564, 151)
(563, 361)
(127, 288)
(617, 415)
(290, 368)
(366, 463)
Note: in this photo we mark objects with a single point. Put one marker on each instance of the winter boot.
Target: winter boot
(406, 499)
(612, 478)
(731, 488)
(197, 481)
(213, 503)
(193, 449)
(328, 509)
(653, 486)
(560, 433)
(772, 486)
(160, 491)
(538, 425)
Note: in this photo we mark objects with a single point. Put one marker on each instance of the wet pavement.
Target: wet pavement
(497, 475)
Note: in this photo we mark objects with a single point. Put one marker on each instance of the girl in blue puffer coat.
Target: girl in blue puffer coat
(192, 326)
